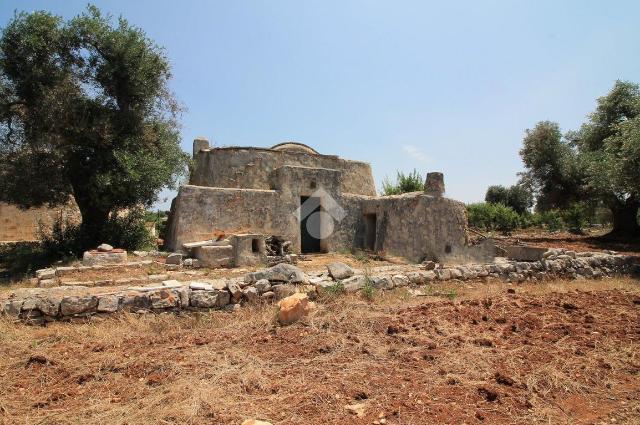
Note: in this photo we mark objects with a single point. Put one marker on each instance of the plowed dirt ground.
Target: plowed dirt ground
(559, 352)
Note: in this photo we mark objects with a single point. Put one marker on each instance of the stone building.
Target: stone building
(319, 203)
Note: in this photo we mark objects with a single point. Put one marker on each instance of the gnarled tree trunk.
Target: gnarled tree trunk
(625, 219)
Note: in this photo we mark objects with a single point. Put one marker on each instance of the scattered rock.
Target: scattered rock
(174, 258)
(339, 271)
(235, 291)
(283, 291)
(293, 308)
(105, 247)
(356, 409)
(262, 286)
(279, 273)
(429, 265)
(251, 294)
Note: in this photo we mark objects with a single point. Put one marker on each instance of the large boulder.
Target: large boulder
(339, 271)
(293, 308)
(279, 273)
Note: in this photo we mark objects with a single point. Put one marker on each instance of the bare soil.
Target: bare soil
(559, 352)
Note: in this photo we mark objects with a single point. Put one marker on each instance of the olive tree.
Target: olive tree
(85, 112)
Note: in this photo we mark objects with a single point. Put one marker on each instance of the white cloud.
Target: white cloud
(415, 152)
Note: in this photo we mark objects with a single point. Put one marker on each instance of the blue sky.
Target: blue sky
(436, 86)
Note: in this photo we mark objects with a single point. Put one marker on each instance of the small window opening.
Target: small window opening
(255, 245)
(312, 185)
(447, 249)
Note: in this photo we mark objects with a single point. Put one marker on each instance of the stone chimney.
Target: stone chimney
(199, 143)
(434, 185)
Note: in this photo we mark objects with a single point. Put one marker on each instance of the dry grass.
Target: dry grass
(571, 349)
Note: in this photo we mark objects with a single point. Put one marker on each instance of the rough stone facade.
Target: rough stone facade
(287, 190)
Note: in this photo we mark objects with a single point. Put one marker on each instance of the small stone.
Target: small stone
(105, 247)
(356, 409)
(255, 422)
(174, 258)
(339, 271)
(429, 265)
(262, 285)
(283, 291)
(251, 294)
(268, 296)
(293, 308)
(400, 280)
(235, 291)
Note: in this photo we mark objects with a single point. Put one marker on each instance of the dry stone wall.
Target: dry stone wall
(46, 304)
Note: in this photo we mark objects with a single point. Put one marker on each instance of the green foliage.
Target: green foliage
(518, 197)
(126, 230)
(368, 291)
(411, 182)
(85, 111)
(575, 218)
(491, 217)
(64, 240)
(599, 163)
(335, 289)
(551, 220)
(551, 164)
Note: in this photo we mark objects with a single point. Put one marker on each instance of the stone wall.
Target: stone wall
(18, 225)
(251, 168)
(38, 305)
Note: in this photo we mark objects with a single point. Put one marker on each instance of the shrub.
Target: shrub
(411, 182)
(128, 231)
(575, 218)
(489, 217)
(552, 220)
(62, 241)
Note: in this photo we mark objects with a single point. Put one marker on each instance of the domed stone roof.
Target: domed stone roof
(294, 147)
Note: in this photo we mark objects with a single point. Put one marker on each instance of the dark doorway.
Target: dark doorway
(309, 224)
(370, 221)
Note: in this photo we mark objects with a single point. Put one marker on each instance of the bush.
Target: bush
(518, 197)
(126, 230)
(551, 220)
(64, 240)
(490, 217)
(575, 218)
(411, 182)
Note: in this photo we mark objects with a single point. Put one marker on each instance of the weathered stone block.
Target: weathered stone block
(70, 306)
(94, 258)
